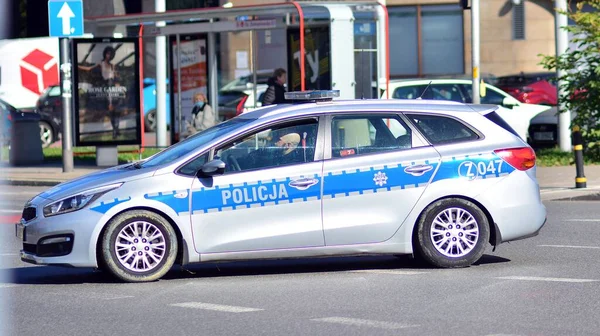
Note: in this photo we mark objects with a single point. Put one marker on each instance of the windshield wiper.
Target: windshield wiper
(137, 165)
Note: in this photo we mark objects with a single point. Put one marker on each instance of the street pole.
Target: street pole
(66, 91)
(161, 80)
(562, 43)
(475, 50)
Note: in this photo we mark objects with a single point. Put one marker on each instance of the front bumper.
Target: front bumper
(59, 240)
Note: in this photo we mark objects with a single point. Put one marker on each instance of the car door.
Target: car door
(375, 171)
(269, 196)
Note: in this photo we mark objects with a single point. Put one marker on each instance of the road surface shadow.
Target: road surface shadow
(51, 275)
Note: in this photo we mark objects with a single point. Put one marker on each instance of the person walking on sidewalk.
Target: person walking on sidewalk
(275, 93)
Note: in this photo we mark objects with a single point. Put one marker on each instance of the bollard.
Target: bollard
(577, 138)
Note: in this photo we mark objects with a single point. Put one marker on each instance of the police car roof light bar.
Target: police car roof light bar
(317, 95)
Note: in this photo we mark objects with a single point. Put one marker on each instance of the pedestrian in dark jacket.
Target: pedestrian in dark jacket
(275, 92)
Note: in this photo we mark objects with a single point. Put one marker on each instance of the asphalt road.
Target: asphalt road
(546, 285)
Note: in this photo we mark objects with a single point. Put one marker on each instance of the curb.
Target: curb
(30, 183)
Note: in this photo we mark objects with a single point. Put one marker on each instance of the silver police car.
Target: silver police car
(318, 177)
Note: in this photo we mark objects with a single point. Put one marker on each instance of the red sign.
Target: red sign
(38, 71)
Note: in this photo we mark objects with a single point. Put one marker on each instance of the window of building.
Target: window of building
(426, 40)
(518, 21)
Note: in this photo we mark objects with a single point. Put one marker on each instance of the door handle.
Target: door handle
(303, 183)
(418, 170)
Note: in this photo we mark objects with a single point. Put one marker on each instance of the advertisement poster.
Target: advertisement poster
(316, 62)
(107, 107)
(192, 61)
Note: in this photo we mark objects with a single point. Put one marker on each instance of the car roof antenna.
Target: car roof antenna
(423, 93)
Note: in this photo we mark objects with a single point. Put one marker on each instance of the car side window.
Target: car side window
(279, 145)
(192, 167)
(368, 134)
(491, 96)
(411, 92)
(447, 92)
(441, 130)
(54, 91)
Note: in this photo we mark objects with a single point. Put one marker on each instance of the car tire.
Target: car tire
(452, 233)
(129, 253)
(150, 121)
(46, 134)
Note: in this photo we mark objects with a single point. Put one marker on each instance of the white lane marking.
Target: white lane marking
(572, 246)
(364, 323)
(20, 193)
(7, 285)
(385, 271)
(8, 254)
(10, 211)
(215, 307)
(545, 279)
(583, 220)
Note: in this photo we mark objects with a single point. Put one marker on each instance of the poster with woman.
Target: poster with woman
(107, 103)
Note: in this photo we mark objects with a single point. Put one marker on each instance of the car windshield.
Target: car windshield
(195, 141)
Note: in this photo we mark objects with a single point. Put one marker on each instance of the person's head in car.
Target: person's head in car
(288, 142)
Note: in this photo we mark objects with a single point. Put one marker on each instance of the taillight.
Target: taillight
(9, 117)
(521, 158)
(240, 106)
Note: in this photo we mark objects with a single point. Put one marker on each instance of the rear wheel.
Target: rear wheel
(139, 246)
(46, 134)
(150, 121)
(452, 233)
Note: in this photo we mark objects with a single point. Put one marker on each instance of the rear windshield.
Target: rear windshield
(497, 119)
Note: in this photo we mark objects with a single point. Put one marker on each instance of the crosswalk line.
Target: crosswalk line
(364, 323)
(215, 307)
(529, 278)
(388, 271)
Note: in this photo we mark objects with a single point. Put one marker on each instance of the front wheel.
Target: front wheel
(452, 233)
(139, 246)
(46, 134)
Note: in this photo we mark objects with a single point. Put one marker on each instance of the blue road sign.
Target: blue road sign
(65, 18)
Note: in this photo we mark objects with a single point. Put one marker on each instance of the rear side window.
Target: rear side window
(368, 134)
(440, 130)
(497, 119)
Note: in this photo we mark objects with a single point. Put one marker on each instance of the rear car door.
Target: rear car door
(265, 200)
(375, 171)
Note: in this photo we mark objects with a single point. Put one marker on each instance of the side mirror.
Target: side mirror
(509, 102)
(212, 168)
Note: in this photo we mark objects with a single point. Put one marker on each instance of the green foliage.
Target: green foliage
(579, 72)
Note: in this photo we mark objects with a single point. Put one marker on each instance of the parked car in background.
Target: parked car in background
(517, 114)
(49, 107)
(8, 115)
(246, 82)
(235, 102)
(530, 88)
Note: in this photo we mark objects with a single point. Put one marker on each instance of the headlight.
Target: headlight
(76, 202)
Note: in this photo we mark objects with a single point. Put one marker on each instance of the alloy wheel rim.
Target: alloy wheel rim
(45, 135)
(454, 232)
(140, 246)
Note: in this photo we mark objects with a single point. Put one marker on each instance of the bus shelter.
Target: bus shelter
(228, 53)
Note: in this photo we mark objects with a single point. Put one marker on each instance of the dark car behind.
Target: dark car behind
(49, 107)
(530, 88)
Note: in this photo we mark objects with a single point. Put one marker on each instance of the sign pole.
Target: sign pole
(475, 50)
(66, 91)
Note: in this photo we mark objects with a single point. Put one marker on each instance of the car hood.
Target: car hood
(122, 173)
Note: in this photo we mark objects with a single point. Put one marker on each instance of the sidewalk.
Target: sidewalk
(555, 182)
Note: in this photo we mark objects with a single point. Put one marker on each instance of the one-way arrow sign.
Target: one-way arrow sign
(65, 18)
